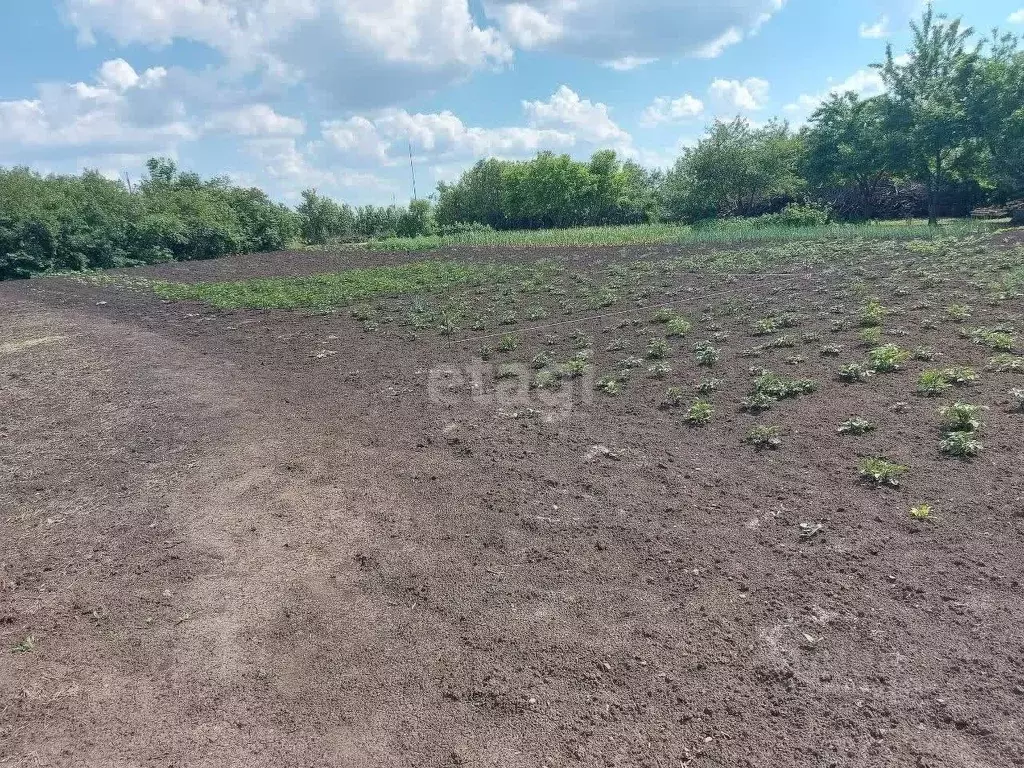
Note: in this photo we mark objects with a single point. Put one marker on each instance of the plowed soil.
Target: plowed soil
(260, 538)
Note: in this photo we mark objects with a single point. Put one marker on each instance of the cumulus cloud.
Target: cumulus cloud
(585, 119)
(361, 53)
(255, 120)
(664, 110)
(639, 30)
(746, 95)
(1017, 17)
(877, 30)
(866, 83)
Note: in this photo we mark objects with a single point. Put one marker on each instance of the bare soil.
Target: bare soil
(230, 547)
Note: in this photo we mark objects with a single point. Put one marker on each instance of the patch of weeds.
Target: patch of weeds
(508, 343)
(872, 313)
(617, 345)
(963, 445)
(932, 383)
(25, 646)
(659, 370)
(764, 437)
(674, 397)
(857, 425)
(881, 472)
(1017, 400)
(540, 360)
(574, 369)
(663, 315)
(959, 312)
(486, 353)
(779, 388)
(961, 417)
(629, 363)
(921, 512)
(831, 350)
(699, 413)
(581, 340)
(508, 371)
(1006, 363)
(707, 355)
(658, 349)
(678, 326)
(757, 403)
(994, 338)
(765, 327)
(927, 354)
(609, 385)
(708, 386)
(887, 358)
(960, 375)
(782, 342)
(871, 336)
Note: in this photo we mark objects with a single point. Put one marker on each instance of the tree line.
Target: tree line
(945, 137)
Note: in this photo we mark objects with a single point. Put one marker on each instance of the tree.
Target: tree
(848, 144)
(733, 169)
(928, 102)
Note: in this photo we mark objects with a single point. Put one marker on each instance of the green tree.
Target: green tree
(929, 105)
(848, 144)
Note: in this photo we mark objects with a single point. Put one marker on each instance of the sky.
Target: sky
(333, 94)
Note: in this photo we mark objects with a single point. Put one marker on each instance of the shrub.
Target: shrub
(796, 215)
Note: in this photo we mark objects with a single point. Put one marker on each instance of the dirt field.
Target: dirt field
(285, 538)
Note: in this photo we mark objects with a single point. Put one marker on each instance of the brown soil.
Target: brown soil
(231, 552)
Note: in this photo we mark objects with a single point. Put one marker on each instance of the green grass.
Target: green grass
(730, 231)
(336, 289)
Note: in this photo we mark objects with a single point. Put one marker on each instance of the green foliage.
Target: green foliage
(71, 223)
(994, 338)
(1006, 363)
(674, 397)
(921, 512)
(779, 388)
(960, 444)
(852, 373)
(881, 472)
(961, 417)
(872, 313)
(887, 358)
(932, 383)
(761, 437)
(856, 425)
(707, 355)
(699, 413)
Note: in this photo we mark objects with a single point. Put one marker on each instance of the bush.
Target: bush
(796, 215)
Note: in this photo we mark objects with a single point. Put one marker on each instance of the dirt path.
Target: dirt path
(230, 551)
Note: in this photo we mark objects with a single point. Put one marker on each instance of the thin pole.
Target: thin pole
(412, 169)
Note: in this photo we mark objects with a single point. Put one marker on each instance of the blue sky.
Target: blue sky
(289, 94)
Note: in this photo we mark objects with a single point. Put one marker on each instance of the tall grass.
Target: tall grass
(732, 231)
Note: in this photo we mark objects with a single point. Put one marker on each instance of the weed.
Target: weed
(540, 360)
(757, 403)
(486, 353)
(960, 444)
(1017, 400)
(658, 349)
(932, 383)
(678, 326)
(994, 338)
(961, 417)
(921, 512)
(708, 386)
(853, 373)
(766, 327)
(699, 413)
(881, 471)
(887, 358)
(761, 437)
(831, 350)
(926, 354)
(856, 425)
(663, 315)
(609, 385)
(674, 397)
(1006, 363)
(508, 343)
(508, 371)
(785, 341)
(872, 313)
(779, 388)
(25, 646)
(629, 363)
(960, 375)
(871, 336)
(659, 370)
(707, 355)
(959, 312)
(574, 369)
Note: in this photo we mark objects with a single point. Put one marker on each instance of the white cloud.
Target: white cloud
(255, 120)
(585, 119)
(615, 30)
(628, 63)
(1017, 17)
(866, 83)
(664, 110)
(877, 30)
(361, 52)
(748, 95)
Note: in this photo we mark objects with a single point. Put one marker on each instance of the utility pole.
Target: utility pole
(412, 170)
